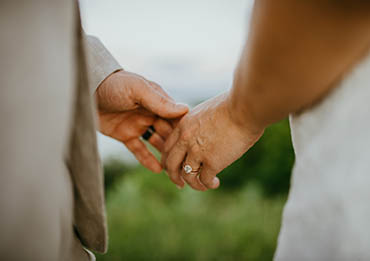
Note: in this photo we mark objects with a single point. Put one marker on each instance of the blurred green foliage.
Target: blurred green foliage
(113, 171)
(268, 163)
(150, 219)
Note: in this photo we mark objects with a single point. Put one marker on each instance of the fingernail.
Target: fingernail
(182, 105)
(179, 187)
(215, 182)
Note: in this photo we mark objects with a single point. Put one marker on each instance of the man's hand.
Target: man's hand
(127, 105)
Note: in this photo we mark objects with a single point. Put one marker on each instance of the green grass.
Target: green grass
(150, 219)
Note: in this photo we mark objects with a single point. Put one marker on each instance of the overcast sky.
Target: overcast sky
(189, 47)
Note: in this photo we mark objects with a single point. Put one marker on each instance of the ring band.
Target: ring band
(189, 170)
(149, 132)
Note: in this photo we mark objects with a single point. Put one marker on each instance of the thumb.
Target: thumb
(162, 106)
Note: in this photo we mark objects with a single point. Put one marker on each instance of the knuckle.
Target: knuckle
(186, 135)
(194, 150)
(172, 169)
(210, 162)
(207, 181)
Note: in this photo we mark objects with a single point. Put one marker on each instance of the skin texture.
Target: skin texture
(127, 105)
(296, 52)
(207, 139)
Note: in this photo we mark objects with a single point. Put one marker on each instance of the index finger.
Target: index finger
(163, 128)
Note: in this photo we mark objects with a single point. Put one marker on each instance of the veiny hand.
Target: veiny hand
(208, 139)
(127, 105)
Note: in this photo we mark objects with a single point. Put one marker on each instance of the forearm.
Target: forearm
(296, 51)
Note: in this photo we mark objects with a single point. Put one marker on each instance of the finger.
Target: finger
(143, 155)
(160, 105)
(208, 178)
(130, 126)
(170, 142)
(163, 128)
(173, 164)
(193, 179)
(175, 122)
(156, 141)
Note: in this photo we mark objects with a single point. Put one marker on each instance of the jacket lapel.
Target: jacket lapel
(84, 162)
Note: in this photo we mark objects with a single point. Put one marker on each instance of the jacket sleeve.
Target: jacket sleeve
(100, 62)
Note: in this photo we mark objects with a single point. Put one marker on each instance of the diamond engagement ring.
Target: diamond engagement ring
(189, 170)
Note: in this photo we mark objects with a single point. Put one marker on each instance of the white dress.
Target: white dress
(327, 215)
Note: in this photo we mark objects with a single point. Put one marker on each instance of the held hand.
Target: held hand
(128, 105)
(208, 140)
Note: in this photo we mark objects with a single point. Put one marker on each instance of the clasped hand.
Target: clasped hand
(207, 138)
(128, 105)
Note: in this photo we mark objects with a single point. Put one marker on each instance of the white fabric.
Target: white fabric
(327, 216)
(90, 254)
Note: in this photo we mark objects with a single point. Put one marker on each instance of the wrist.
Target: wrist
(242, 116)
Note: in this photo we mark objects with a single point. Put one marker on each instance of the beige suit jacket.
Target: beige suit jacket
(51, 183)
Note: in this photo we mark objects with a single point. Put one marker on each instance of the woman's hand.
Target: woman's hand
(208, 139)
(128, 105)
